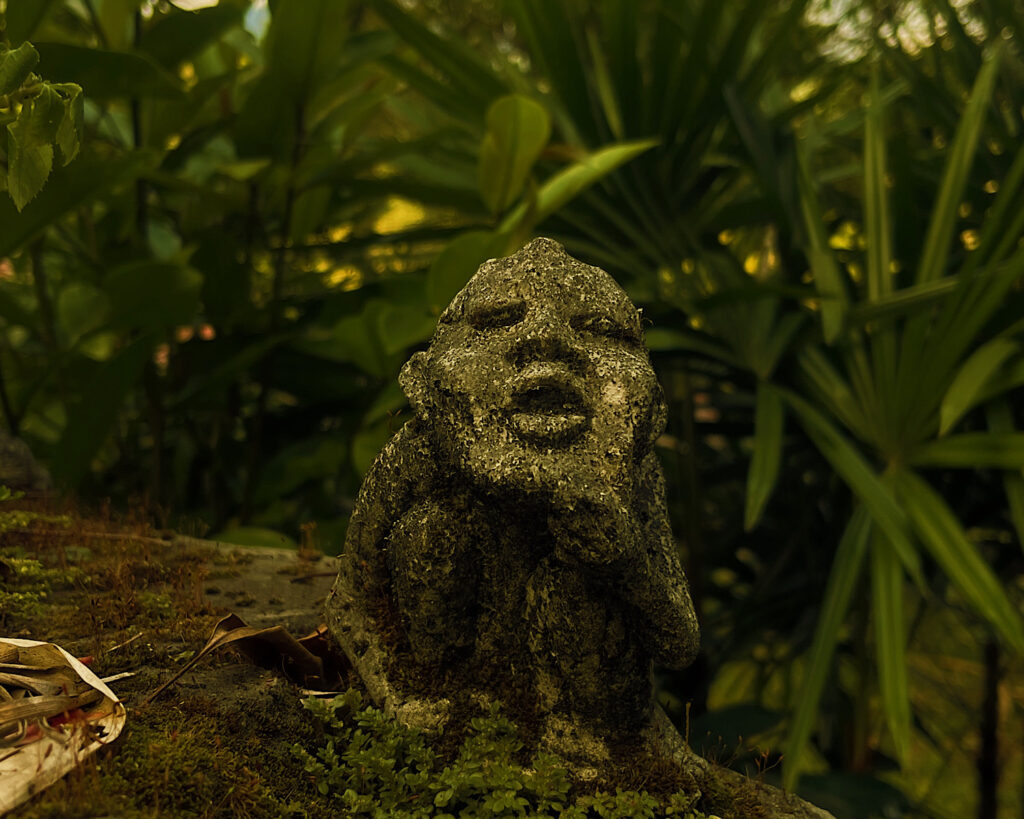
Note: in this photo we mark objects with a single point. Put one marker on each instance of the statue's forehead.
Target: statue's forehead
(561, 282)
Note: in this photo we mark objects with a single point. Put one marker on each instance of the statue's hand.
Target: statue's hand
(601, 533)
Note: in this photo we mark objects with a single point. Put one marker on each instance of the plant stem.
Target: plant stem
(988, 751)
(48, 327)
(256, 436)
(151, 381)
(5, 401)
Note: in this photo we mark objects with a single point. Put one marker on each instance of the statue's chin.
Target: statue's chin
(542, 462)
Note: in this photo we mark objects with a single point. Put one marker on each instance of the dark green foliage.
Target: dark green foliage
(370, 765)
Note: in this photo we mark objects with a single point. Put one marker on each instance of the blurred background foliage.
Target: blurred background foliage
(216, 255)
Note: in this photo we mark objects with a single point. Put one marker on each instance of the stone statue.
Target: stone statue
(512, 539)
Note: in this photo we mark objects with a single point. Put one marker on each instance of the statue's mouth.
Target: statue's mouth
(547, 407)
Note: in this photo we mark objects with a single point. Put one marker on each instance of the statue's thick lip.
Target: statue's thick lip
(547, 405)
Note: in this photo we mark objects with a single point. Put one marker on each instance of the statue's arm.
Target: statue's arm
(658, 588)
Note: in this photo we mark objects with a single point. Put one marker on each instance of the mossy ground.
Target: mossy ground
(218, 743)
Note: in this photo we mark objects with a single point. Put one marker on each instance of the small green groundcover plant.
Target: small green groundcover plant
(373, 766)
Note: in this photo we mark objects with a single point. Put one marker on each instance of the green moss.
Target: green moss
(369, 765)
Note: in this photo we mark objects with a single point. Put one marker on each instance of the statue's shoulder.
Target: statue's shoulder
(402, 472)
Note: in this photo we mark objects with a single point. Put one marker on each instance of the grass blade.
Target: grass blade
(891, 641)
(842, 580)
(973, 450)
(877, 498)
(764, 465)
(827, 279)
(942, 534)
(939, 237)
(1000, 421)
(971, 379)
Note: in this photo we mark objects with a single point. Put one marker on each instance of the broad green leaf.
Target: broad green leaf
(891, 641)
(454, 265)
(318, 457)
(1000, 421)
(943, 536)
(939, 238)
(973, 450)
(971, 378)
(181, 35)
(862, 480)
(107, 74)
(355, 339)
(81, 308)
(842, 580)
(15, 66)
(69, 187)
(571, 181)
(517, 131)
(90, 420)
(403, 325)
(148, 294)
(30, 145)
(23, 17)
(764, 465)
(303, 44)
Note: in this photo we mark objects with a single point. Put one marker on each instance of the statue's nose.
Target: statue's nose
(545, 338)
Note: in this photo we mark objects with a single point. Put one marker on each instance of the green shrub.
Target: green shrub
(373, 766)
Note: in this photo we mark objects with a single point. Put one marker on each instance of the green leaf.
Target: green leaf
(81, 308)
(308, 459)
(827, 279)
(862, 480)
(181, 35)
(454, 265)
(149, 294)
(69, 134)
(891, 641)
(971, 378)
(23, 17)
(403, 325)
(1000, 421)
(69, 187)
(30, 148)
(15, 66)
(939, 238)
(517, 131)
(973, 450)
(571, 181)
(764, 465)
(107, 74)
(944, 537)
(303, 44)
(842, 580)
(89, 421)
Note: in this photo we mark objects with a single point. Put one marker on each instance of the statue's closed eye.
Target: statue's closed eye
(490, 316)
(606, 326)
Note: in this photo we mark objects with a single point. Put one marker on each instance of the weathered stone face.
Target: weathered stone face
(517, 525)
(537, 377)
